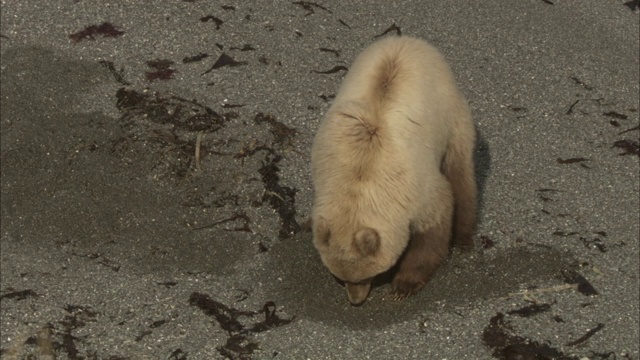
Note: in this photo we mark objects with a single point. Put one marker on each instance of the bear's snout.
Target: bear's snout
(357, 293)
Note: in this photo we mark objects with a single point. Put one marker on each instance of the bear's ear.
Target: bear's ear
(367, 241)
(321, 231)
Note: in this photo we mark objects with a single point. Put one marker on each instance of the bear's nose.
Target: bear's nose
(357, 293)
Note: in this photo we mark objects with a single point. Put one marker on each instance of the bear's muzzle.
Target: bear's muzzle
(357, 293)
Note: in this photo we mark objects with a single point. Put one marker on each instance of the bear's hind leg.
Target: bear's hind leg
(428, 245)
(458, 167)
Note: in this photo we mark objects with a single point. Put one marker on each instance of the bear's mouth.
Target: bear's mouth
(358, 287)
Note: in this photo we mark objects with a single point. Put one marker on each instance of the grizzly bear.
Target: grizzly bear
(392, 168)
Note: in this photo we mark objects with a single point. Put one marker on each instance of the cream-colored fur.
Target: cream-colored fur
(378, 157)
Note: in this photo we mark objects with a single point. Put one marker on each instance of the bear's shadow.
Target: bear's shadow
(307, 289)
(482, 160)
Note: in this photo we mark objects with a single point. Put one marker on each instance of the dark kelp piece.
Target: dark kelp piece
(582, 83)
(334, 52)
(159, 64)
(570, 111)
(530, 310)
(327, 98)
(637, 127)
(393, 27)
(333, 70)
(271, 320)
(571, 160)
(245, 47)
(194, 58)
(486, 242)
(615, 115)
(548, 190)
(282, 134)
(178, 354)
(164, 74)
(344, 23)
(595, 243)
(226, 317)
(90, 32)
(281, 198)
(564, 233)
(238, 346)
(213, 19)
(499, 336)
(633, 4)
(231, 106)
(142, 335)
(19, 295)
(309, 6)
(78, 316)
(162, 69)
(118, 75)
(584, 287)
(240, 216)
(629, 147)
(225, 60)
(586, 336)
(184, 114)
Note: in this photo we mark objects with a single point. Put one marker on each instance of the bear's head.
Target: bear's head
(354, 256)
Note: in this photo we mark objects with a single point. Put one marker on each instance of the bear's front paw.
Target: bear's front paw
(402, 288)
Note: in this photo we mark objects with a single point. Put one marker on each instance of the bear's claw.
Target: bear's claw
(403, 289)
